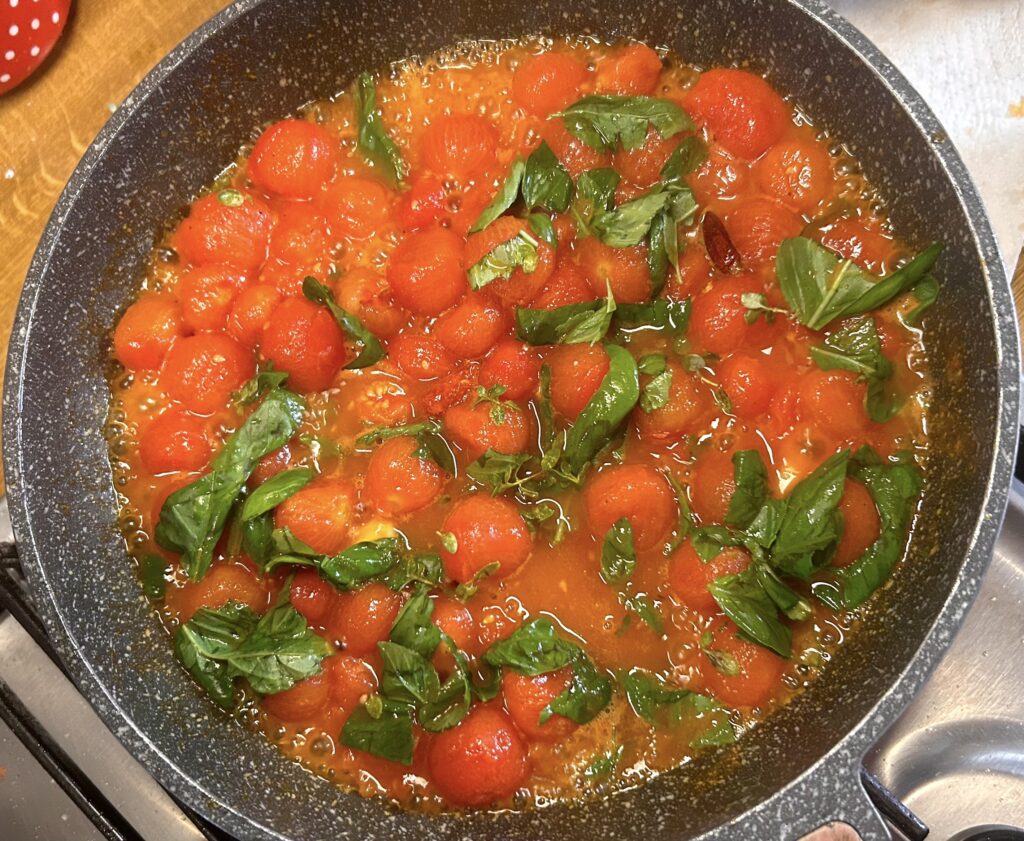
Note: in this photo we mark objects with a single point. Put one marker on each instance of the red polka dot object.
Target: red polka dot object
(28, 31)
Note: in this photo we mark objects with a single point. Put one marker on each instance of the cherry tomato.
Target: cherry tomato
(487, 529)
(461, 145)
(545, 83)
(852, 239)
(251, 313)
(481, 760)
(175, 441)
(721, 176)
(526, 698)
(224, 582)
(718, 317)
(427, 271)
(383, 402)
(305, 699)
(203, 371)
(207, 294)
(425, 203)
(689, 402)
(749, 382)
(576, 374)
(400, 479)
(421, 357)
(760, 670)
(147, 330)
(633, 70)
(757, 228)
(796, 172)
(356, 207)
(294, 159)
(366, 294)
(625, 270)
(568, 285)
(642, 166)
(861, 524)
(364, 617)
(484, 426)
(473, 326)
(689, 576)
(741, 110)
(304, 340)
(514, 366)
(350, 680)
(311, 596)
(713, 486)
(521, 286)
(228, 226)
(575, 155)
(692, 276)
(300, 236)
(634, 491)
(834, 401)
(320, 514)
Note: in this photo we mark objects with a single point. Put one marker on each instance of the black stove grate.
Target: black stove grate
(15, 599)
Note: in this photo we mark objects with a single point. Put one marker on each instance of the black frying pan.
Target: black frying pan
(260, 60)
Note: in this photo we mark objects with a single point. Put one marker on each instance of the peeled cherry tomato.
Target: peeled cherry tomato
(749, 382)
(692, 276)
(364, 617)
(229, 226)
(287, 278)
(624, 269)
(174, 441)
(852, 239)
(712, 487)
(473, 326)
(311, 596)
(497, 622)
(526, 698)
(305, 699)
(642, 166)
(634, 491)
(521, 286)
(303, 339)
(721, 176)
(453, 618)
(450, 390)
(356, 207)
(545, 83)
(293, 158)
(207, 294)
(479, 761)
(462, 145)
(514, 366)
(366, 294)
(426, 202)
(350, 681)
(633, 70)
(760, 670)
(251, 312)
(796, 172)
(568, 285)
(476, 430)
(224, 582)
(487, 529)
(741, 110)
(421, 357)
(400, 479)
(861, 525)
(689, 401)
(147, 330)
(299, 237)
(575, 155)
(576, 374)
(757, 228)
(427, 271)
(834, 401)
(689, 576)
(203, 371)
(320, 514)
(718, 318)
(383, 402)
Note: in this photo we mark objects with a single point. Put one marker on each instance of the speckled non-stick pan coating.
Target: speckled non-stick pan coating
(259, 61)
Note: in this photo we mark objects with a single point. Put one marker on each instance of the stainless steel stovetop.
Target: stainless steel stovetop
(956, 756)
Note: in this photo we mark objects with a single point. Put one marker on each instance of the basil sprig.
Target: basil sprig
(819, 287)
(192, 519)
(372, 350)
(272, 652)
(372, 139)
(603, 121)
(855, 347)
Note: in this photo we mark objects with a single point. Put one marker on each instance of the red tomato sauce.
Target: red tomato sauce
(223, 296)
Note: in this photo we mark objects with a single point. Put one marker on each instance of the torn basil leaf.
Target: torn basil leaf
(153, 572)
(266, 378)
(533, 649)
(204, 643)
(519, 252)
(388, 735)
(372, 350)
(543, 227)
(545, 182)
(275, 490)
(588, 693)
(604, 121)
(656, 392)
(629, 224)
(618, 555)
(372, 139)
(586, 322)
(647, 694)
(751, 482)
(742, 598)
(503, 199)
(413, 627)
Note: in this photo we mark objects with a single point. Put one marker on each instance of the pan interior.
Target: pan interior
(263, 61)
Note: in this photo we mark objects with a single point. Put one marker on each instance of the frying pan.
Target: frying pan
(260, 60)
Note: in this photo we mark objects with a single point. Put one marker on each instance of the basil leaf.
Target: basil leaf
(603, 415)
(371, 139)
(855, 347)
(283, 542)
(687, 522)
(785, 599)
(280, 651)
(413, 627)
(820, 288)
(708, 541)
(643, 607)
(721, 732)
(204, 643)
(153, 572)
(372, 350)
(652, 364)
(926, 292)
(647, 694)
(275, 491)
(742, 598)
(764, 528)
(586, 322)
(451, 702)
(655, 393)
(360, 563)
(389, 735)
(192, 518)
(628, 224)
(427, 433)
(662, 314)
(603, 765)
(542, 226)
(618, 557)
(501, 261)
(265, 379)
(604, 120)
(685, 158)
(595, 191)
(545, 181)
(504, 198)
(533, 649)
(418, 568)
(586, 696)
(407, 677)
(751, 480)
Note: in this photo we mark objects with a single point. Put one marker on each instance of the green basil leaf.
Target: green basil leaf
(603, 415)
(687, 522)
(542, 226)
(389, 735)
(485, 682)
(708, 541)
(652, 364)
(360, 563)
(628, 224)
(419, 568)
(256, 538)
(743, 599)
(618, 556)
(604, 764)
(642, 606)
(820, 288)
(656, 392)
(533, 649)
(504, 198)
(647, 694)
(192, 518)
(545, 181)
(662, 314)
(662, 239)
(413, 627)
(586, 696)
(451, 702)
(205, 642)
(407, 677)
(855, 347)
(721, 732)
(265, 379)
(372, 350)
(879, 403)
(280, 651)
(604, 120)
(275, 491)
(372, 139)
(501, 261)
(597, 188)
(784, 597)
(153, 572)
(283, 542)
(764, 528)
(751, 480)
(927, 293)
(467, 589)
(586, 322)
(685, 158)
